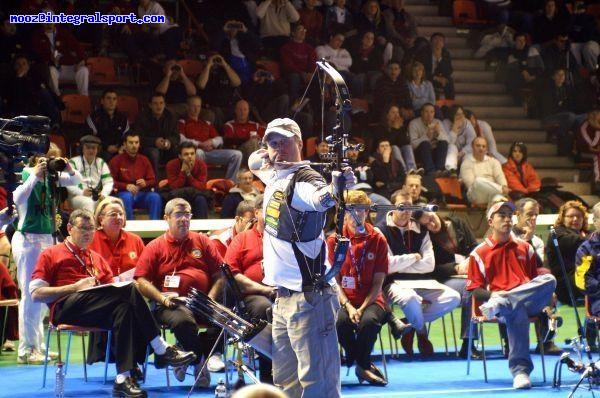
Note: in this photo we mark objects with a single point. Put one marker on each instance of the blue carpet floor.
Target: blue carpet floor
(439, 377)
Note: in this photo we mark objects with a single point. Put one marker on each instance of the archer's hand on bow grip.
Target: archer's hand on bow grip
(347, 174)
(259, 160)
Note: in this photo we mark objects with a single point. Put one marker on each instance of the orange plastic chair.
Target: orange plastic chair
(77, 108)
(191, 67)
(130, 106)
(102, 70)
(450, 187)
(220, 187)
(258, 184)
(271, 66)
(464, 13)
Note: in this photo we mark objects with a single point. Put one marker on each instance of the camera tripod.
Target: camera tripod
(589, 372)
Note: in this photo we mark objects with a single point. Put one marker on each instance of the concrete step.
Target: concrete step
(448, 31)
(534, 148)
(422, 9)
(485, 112)
(578, 188)
(469, 100)
(433, 20)
(468, 76)
(479, 88)
(520, 124)
(507, 137)
(468, 64)
(560, 174)
(454, 42)
(591, 200)
(550, 161)
(461, 52)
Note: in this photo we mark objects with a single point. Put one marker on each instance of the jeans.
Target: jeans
(432, 158)
(148, 200)
(230, 157)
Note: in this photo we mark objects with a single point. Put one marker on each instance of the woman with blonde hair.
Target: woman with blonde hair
(571, 228)
(421, 90)
(361, 278)
(119, 248)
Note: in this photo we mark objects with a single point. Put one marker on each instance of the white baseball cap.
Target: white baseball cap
(495, 208)
(284, 126)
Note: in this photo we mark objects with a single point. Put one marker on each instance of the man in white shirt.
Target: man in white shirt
(482, 174)
(96, 182)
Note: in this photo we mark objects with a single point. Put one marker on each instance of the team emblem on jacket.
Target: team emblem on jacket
(196, 253)
(132, 255)
(370, 256)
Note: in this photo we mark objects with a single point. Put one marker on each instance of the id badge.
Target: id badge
(172, 281)
(348, 282)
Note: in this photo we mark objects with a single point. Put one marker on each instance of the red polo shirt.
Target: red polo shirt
(245, 254)
(127, 169)
(198, 130)
(194, 260)
(123, 255)
(236, 133)
(367, 255)
(501, 266)
(57, 266)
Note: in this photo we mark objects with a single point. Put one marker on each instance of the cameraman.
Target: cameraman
(176, 87)
(35, 201)
(96, 182)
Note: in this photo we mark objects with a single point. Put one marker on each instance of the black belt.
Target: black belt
(285, 292)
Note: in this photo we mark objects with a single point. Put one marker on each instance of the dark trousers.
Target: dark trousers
(184, 324)
(194, 197)
(121, 309)
(358, 340)
(258, 307)
(432, 158)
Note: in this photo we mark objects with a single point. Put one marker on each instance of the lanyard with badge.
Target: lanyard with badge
(171, 281)
(350, 282)
(91, 271)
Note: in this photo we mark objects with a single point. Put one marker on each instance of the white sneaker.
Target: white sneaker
(215, 363)
(32, 357)
(490, 308)
(9, 346)
(521, 381)
(51, 354)
(179, 372)
(204, 380)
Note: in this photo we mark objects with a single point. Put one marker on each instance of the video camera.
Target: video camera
(24, 135)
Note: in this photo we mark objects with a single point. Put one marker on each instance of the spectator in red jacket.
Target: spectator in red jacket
(135, 179)
(242, 133)
(186, 176)
(521, 176)
(57, 47)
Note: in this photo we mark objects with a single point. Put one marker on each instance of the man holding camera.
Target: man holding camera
(176, 87)
(36, 205)
(96, 182)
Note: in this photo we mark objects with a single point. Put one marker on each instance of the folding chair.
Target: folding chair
(477, 318)
(75, 329)
(464, 14)
(6, 304)
(77, 108)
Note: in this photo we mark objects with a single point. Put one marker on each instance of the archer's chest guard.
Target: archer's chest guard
(286, 223)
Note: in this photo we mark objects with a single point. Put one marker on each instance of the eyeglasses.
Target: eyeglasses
(114, 214)
(86, 228)
(181, 214)
(573, 216)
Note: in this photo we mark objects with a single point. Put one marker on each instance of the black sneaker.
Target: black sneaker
(128, 389)
(137, 375)
(464, 351)
(173, 357)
